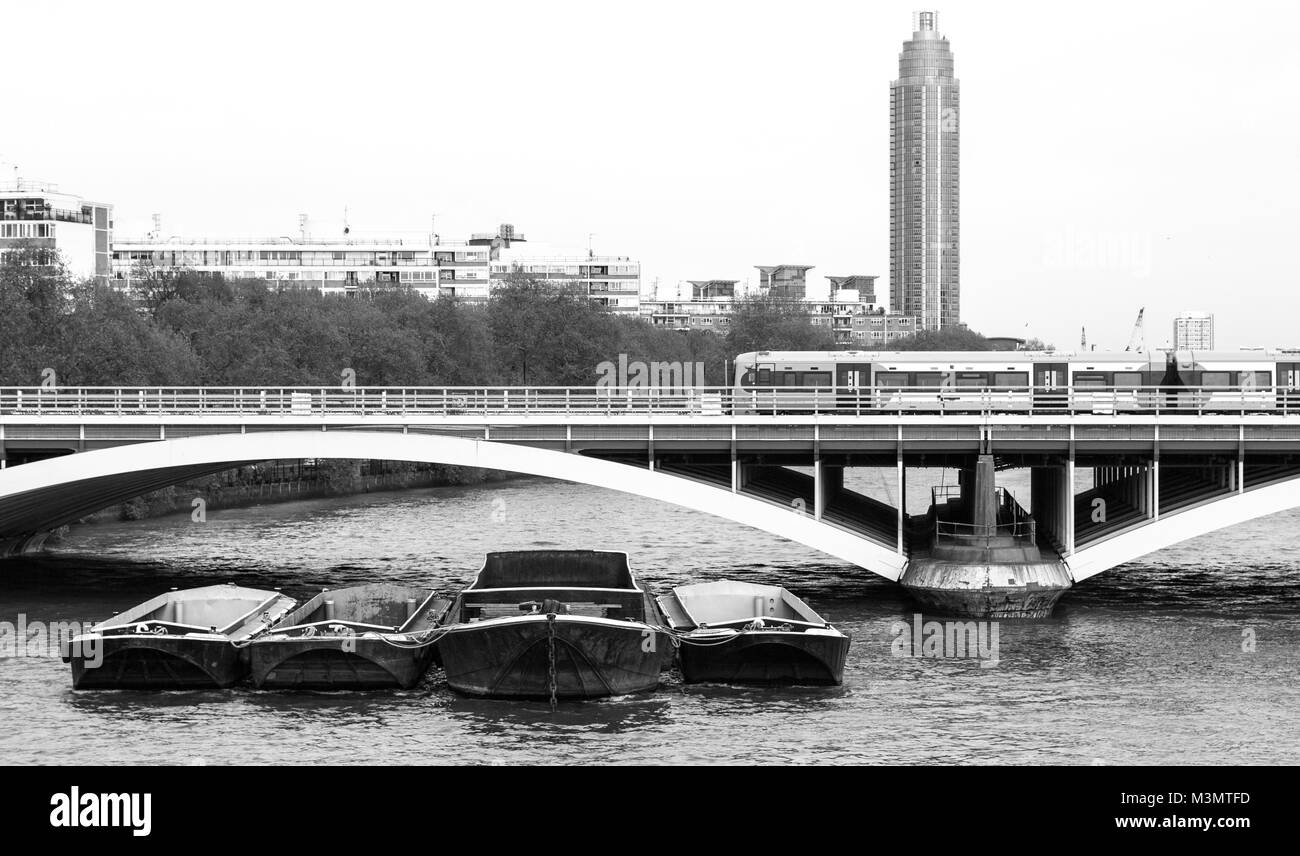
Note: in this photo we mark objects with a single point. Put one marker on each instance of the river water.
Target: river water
(1189, 656)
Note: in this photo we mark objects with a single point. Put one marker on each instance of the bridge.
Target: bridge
(1160, 472)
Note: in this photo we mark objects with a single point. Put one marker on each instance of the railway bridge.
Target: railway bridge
(1106, 486)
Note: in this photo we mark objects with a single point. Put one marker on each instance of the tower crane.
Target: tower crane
(1137, 339)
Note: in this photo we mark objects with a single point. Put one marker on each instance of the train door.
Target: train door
(1182, 381)
(853, 385)
(1051, 386)
(1288, 386)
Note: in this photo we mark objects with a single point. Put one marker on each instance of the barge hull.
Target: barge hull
(768, 658)
(592, 660)
(327, 664)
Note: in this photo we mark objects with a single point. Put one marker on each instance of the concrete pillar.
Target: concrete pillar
(983, 507)
(902, 500)
(1068, 498)
(994, 579)
(819, 486)
(1155, 489)
(832, 484)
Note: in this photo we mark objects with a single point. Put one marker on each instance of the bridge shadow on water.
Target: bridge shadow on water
(1213, 589)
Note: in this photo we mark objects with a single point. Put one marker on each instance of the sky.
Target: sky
(1114, 155)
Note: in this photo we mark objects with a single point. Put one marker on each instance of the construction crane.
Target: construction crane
(1137, 339)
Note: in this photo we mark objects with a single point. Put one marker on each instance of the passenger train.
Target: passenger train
(1016, 380)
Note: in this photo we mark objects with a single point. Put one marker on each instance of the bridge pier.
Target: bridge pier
(984, 560)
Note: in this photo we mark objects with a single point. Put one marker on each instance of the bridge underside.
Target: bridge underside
(1095, 506)
(42, 495)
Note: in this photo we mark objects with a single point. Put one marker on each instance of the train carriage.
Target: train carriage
(1016, 381)
(1114, 382)
(853, 381)
(1223, 380)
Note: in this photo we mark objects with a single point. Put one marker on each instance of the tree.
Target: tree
(35, 291)
(766, 323)
(155, 286)
(951, 339)
(105, 341)
(547, 335)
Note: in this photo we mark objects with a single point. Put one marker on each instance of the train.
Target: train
(1014, 381)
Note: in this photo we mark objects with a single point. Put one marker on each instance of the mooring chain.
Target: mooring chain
(550, 666)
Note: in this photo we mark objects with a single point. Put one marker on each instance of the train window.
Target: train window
(764, 377)
(1216, 379)
(891, 378)
(788, 379)
(1011, 379)
(930, 380)
(1085, 379)
(1128, 380)
(972, 379)
(1254, 380)
(816, 378)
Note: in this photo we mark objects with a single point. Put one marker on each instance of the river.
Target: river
(1186, 657)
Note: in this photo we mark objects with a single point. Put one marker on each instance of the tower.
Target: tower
(924, 231)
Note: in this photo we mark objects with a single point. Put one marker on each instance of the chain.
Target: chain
(550, 666)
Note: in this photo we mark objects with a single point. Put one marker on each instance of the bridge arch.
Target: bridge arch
(39, 496)
(1150, 536)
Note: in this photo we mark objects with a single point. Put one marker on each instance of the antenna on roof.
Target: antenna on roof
(346, 228)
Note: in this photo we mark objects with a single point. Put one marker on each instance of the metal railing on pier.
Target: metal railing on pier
(1014, 521)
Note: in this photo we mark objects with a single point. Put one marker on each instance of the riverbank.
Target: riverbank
(287, 481)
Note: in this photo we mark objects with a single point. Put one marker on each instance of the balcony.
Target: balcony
(30, 215)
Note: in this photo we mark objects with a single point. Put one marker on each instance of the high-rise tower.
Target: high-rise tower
(924, 233)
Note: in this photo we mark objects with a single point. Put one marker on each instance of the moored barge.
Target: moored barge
(557, 624)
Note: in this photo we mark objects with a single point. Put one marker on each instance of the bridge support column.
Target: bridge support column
(1155, 489)
(819, 485)
(828, 483)
(1068, 505)
(902, 504)
(990, 565)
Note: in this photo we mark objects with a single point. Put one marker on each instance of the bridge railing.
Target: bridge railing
(1013, 521)
(694, 401)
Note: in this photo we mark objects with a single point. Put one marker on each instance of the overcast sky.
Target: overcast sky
(1114, 154)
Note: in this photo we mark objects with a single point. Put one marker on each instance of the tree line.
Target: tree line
(182, 328)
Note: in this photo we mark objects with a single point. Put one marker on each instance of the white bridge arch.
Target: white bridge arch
(1219, 512)
(40, 496)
